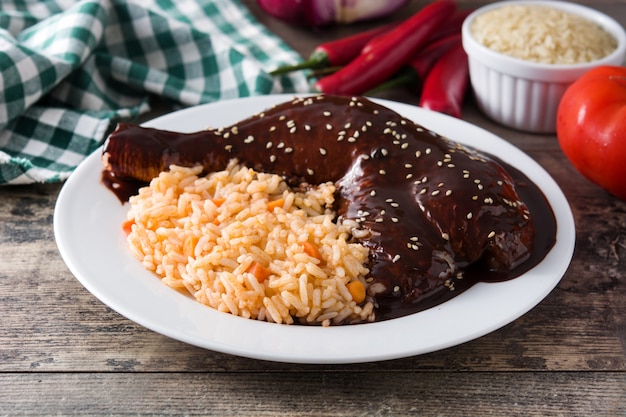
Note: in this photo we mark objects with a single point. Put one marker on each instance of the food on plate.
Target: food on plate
(591, 127)
(243, 242)
(435, 216)
(542, 34)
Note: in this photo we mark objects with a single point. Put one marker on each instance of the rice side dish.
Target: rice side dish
(542, 34)
(244, 243)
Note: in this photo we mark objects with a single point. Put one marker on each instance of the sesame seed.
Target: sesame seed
(445, 236)
(382, 172)
(272, 158)
(228, 147)
(469, 216)
(288, 150)
(310, 171)
(249, 139)
(395, 259)
(326, 113)
(323, 151)
(329, 126)
(491, 234)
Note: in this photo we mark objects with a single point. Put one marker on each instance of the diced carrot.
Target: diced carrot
(271, 205)
(311, 250)
(218, 201)
(127, 226)
(259, 271)
(357, 290)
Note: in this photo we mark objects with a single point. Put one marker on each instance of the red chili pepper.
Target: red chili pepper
(335, 53)
(417, 68)
(427, 57)
(446, 83)
(389, 53)
(449, 27)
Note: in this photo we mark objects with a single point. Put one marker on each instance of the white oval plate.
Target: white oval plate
(87, 226)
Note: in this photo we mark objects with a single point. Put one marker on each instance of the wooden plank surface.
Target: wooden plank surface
(62, 352)
(330, 393)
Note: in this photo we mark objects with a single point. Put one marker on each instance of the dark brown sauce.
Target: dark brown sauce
(544, 240)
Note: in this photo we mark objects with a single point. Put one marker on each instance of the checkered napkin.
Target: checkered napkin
(69, 69)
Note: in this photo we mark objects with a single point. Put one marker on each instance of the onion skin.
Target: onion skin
(320, 13)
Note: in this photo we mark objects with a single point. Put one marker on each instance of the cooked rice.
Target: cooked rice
(542, 34)
(202, 234)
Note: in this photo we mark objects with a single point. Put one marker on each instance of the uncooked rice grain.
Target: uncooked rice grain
(203, 234)
(542, 34)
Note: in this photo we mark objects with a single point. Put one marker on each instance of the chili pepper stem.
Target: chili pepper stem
(316, 60)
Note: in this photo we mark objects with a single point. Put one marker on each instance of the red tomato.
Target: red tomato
(591, 127)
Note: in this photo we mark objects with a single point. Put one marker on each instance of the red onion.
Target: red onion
(326, 12)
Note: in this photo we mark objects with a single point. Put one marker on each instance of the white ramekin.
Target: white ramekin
(522, 94)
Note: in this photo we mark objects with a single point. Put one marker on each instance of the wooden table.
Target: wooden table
(62, 352)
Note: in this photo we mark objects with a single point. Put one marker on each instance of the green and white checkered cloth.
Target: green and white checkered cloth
(69, 69)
